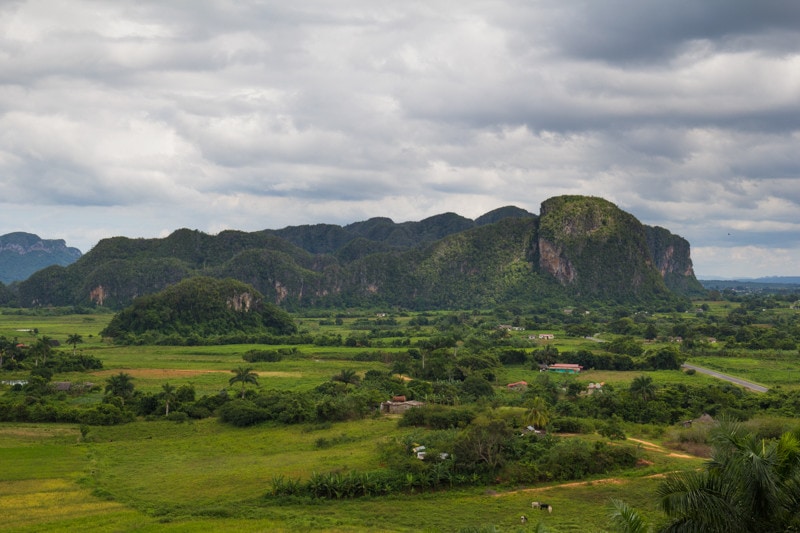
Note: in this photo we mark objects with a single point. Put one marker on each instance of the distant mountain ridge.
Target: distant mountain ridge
(22, 254)
(580, 248)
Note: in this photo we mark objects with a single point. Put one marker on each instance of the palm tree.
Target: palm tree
(168, 393)
(626, 519)
(74, 339)
(43, 348)
(244, 375)
(643, 387)
(749, 484)
(539, 414)
(120, 385)
(347, 376)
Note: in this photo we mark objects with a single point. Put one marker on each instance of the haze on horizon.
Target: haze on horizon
(137, 118)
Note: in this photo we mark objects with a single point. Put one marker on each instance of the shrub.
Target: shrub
(262, 356)
(105, 414)
(178, 416)
(242, 413)
(570, 424)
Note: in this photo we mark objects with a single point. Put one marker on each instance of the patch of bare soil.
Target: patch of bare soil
(646, 444)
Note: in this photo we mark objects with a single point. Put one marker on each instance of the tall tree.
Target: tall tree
(348, 376)
(244, 375)
(42, 349)
(120, 385)
(643, 387)
(168, 394)
(74, 340)
(539, 413)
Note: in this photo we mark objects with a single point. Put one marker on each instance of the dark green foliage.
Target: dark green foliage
(475, 387)
(201, 306)
(445, 261)
(513, 357)
(120, 385)
(267, 356)
(437, 417)
(577, 458)
(666, 359)
(566, 424)
(7, 297)
(749, 485)
(242, 413)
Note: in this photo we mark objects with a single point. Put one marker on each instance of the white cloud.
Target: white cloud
(137, 118)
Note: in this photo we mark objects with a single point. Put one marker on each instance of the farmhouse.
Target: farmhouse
(564, 368)
(397, 408)
(546, 336)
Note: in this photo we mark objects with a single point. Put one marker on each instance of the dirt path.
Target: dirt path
(651, 447)
(573, 484)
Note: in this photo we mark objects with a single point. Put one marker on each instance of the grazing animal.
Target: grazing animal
(523, 519)
(535, 505)
(542, 506)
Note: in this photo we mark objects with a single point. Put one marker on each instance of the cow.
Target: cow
(523, 519)
(542, 506)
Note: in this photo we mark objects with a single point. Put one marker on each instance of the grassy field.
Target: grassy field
(204, 476)
(207, 476)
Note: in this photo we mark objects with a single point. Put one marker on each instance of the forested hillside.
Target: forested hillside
(579, 249)
(203, 307)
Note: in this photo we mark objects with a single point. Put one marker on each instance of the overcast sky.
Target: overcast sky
(139, 117)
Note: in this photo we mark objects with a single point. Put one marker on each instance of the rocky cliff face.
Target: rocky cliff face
(22, 254)
(595, 249)
(671, 255)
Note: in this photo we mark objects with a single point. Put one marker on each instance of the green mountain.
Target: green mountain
(578, 248)
(22, 254)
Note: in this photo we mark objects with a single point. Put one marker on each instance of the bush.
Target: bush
(105, 414)
(177, 416)
(569, 424)
(262, 356)
(437, 417)
(242, 413)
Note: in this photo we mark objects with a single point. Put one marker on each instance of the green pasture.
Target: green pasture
(208, 368)
(57, 327)
(204, 476)
(770, 369)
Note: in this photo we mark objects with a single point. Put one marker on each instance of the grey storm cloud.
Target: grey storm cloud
(139, 117)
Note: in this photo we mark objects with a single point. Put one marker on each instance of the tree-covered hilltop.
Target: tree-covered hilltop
(580, 249)
(204, 307)
(595, 249)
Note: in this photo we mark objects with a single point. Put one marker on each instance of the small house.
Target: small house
(398, 408)
(564, 368)
(519, 385)
(546, 336)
